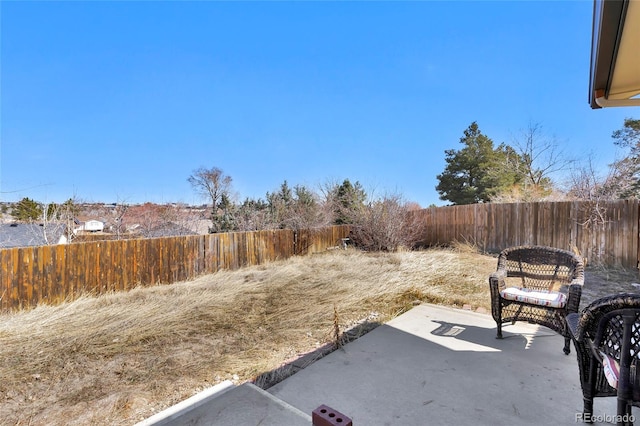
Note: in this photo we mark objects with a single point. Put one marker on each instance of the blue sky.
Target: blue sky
(121, 101)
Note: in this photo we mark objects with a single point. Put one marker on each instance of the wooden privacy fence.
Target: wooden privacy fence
(51, 274)
(611, 239)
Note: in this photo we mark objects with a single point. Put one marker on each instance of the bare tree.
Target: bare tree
(51, 228)
(541, 158)
(159, 220)
(67, 213)
(587, 185)
(386, 224)
(594, 190)
(254, 215)
(119, 211)
(55, 225)
(297, 208)
(184, 216)
(306, 211)
(213, 185)
(145, 217)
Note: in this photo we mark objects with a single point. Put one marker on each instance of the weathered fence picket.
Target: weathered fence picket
(51, 274)
(612, 241)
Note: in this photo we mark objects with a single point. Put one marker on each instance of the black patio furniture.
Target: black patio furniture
(537, 284)
(606, 335)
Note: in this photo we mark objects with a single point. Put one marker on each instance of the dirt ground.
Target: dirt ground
(601, 281)
(119, 358)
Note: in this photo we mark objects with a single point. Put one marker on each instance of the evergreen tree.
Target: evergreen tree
(27, 210)
(626, 171)
(224, 218)
(279, 202)
(349, 200)
(478, 171)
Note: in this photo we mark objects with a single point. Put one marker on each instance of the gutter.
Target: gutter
(603, 102)
(608, 23)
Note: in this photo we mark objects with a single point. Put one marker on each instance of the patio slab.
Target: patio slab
(227, 404)
(437, 365)
(430, 366)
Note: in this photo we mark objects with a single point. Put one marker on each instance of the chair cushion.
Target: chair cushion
(552, 299)
(611, 370)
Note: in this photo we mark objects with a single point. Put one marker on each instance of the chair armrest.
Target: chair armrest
(578, 281)
(497, 282)
(572, 324)
(499, 276)
(574, 294)
(577, 333)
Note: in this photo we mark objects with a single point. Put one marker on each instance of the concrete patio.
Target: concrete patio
(431, 365)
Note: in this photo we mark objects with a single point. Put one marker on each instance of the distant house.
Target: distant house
(91, 225)
(94, 226)
(31, 234)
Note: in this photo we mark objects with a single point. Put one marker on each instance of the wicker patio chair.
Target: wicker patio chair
(606, 335)
(537, 284)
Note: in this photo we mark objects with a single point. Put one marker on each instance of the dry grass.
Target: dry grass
(119, 358)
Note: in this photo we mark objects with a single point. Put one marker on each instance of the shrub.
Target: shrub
(386, 225)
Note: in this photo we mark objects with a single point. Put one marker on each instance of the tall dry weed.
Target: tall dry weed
(121, 357)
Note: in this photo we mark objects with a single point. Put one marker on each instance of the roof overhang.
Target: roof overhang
(615, 54)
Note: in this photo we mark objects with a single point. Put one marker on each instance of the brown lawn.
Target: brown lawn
(120, 358)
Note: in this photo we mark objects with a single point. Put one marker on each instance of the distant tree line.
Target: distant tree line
(535, 168)
(28, 210)
(479, 172)
(378, 223)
